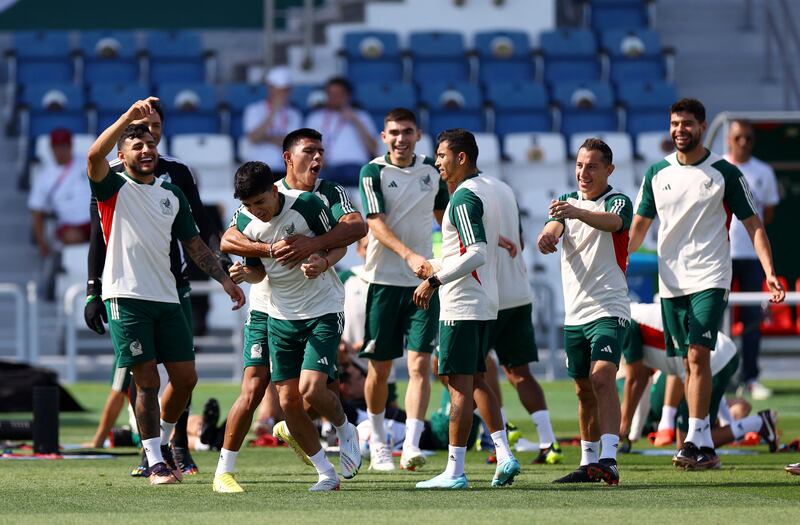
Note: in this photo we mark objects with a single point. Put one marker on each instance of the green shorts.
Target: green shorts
(693, 320)
(309, 344)
(256, 339)
(145, 330)
(463, 346)
(512, 337)
(719, 384)
(394, 322)
(120, 376)
(598, 340)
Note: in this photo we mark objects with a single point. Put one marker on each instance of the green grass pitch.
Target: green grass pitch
(748, 489)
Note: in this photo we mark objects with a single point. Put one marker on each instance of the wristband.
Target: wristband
(434, 281)
(94, 287)
(270, 251)
(327, 262)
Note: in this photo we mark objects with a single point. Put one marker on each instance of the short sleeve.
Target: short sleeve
(108, 187)
(632, 347)
(621, 205)
(369, 184)
(241, 220)
(235, 217)
(737, 192)
(562, 198)
(645, 202)
(183, 227)
(318, 216)
(338, 200)
(466, 214)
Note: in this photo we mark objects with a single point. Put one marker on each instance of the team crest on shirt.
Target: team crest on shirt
(166, 207)
(136, 348)
(289, 230)
(255, 351)
(425, 183)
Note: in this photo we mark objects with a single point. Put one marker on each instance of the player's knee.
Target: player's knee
(585, 390)
(291, 400)
(698, 357)
(311, 390)
(379, 371)
(253, 395)
(419, 366)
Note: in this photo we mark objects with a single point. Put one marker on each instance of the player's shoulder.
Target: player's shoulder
(427, 161)
(722, 166)
(666, 162)
(174, 164)
(566, 197)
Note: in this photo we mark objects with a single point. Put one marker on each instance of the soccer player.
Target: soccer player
(512, 335)
(467, 275)
(298, 313)
(644, 350)
(400, 193)
(174, 171)
(594, 224)
(693, 192)
(139, 213)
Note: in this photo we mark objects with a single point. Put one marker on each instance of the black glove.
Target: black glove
(225, 261)
(94, 313)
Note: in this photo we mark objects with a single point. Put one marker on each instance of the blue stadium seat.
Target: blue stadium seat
(647, 105)
(378, 98)
(42, 57)
(236, 97)
(41, 101)
(519, 106)
(635, 54)
(373, 56)
(307, 97)
(190, 108)
(585, 106)
(110, 100)
(454, 105)
(175, 57)
(504, 56)
(109, 56)
(570, 55)
(436, 55)
(626, 14)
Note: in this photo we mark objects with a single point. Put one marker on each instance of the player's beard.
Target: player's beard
(137, 169)
(693, 142)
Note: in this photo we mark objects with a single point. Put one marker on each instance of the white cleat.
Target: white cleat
(412, 459)
(349, 452)
(326, 485)
(380, 457)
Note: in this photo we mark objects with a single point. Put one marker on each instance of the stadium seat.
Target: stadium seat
(634, 55)
(211, 157)
(109, 101)
(53, 106)
(653, 146)
(38, 57)
(489, 156)
(647, 105)
(307, 97)
(570, 55)
(373, 56)
(456, 105)
(236, 97)
(190, 108)
(585, 106)
(378, 98)
(504, 56)
(778, 320)
(175, 56)
(519, 106)
(625, 14)
(535, 148)
(425, 146)
(438, 55)
(538, 165)
(109, 56)
(619, 142)
(80, 146)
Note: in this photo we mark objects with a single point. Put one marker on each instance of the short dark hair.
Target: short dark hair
(251, 179)
(399, 114)
(132, 131)
(293, 137)
(459, 140)
(595, 144)
(340, 81)
(690, 105)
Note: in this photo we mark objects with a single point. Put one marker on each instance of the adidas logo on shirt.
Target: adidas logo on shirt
(606, 349)
(707, 335)
(323, 361)
(393, 184)
(666, 188)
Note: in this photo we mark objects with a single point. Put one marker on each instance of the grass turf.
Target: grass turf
(748, 489)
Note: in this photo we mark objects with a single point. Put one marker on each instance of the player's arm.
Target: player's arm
(318, 263)
(616, 217)
(250, 272)
(645, 207)
(94, 311)
(235, 242)
(758, 236)
(549, 236)
(297, 248)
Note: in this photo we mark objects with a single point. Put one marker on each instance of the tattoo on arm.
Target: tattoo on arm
(204, 258)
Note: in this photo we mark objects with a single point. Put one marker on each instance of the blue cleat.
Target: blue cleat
(443, 481)
(505, 473)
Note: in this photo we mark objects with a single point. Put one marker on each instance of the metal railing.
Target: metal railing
(719, 124)
(781, 36)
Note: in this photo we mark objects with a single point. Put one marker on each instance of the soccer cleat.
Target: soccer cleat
(281, 431)
(708, 459)
(686, 457)
(604, 470)
(380, 457)
(793, 469)
(210, 419)
(758, 391)
(579, 475)
(350, 452)
(325, 485)
(505, 473)
(513, 433)
(161, 474)
(141, 470)
(225, 483)
(664, 437)
(550, 455)
(411, 460)
(169, 459)
(769, 429)
(185, 461)
(443, 481)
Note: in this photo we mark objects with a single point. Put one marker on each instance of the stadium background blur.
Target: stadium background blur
(532, 79)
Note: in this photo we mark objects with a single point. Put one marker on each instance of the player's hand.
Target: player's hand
(508, 244)
(414, 261)
(424, 270)
(547, 243)
(235, 293)
(94, 313)
(237, 272)
(316, 266)
(563, 210)
(626, 446)
(294, 250)
(423, 294)
(141, 109)
(776, 289)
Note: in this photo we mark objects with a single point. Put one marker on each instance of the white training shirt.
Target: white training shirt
(63, 191)
(355, 306)
(764, 189)
(342, 142)
(286, 119)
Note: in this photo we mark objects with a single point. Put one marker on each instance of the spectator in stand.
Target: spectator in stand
(348, 134)
(746, 267)
(266, 122)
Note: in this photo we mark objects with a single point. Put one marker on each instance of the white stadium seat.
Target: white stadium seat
(211, 158)
(653, 146)
(536, 148)
(619, 142)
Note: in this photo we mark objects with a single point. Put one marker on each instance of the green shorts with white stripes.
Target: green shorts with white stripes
(308, 344)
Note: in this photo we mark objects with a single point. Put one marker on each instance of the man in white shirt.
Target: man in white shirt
(267, 121)
(746, 268)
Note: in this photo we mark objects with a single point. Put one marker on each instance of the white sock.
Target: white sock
(455, 461)
(378, 432)
(414, 428)
(695, 433)
(503, 415)
(341, 431)
(589, 450)
(541, 418)
(610, 443)
(152, 447)
(324, 467)
(501, 447)
(227, 461)
(707, 439)
(741, 427)
(166, 431)
(724, 414)
(667, 417)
